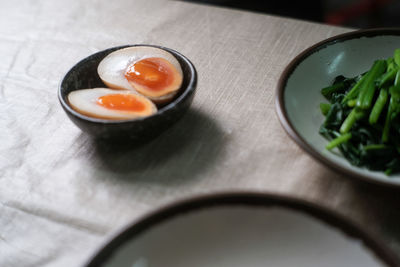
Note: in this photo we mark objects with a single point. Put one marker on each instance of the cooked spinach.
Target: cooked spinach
(362, 117)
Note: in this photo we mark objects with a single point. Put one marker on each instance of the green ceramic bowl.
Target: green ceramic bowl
(298, 93)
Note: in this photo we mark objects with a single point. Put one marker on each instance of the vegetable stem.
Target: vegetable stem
(354, 115)
(386, 128)
(367, 89)
(397, 56)
(390, 64)
(393, 110)
(379, 105)
(354, 90)
(374, 147)
(338, 140)
(387, 78)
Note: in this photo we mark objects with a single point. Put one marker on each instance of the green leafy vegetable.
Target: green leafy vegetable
(325, 107)
(362, 118)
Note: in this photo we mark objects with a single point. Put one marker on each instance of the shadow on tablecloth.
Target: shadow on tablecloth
(183, 152)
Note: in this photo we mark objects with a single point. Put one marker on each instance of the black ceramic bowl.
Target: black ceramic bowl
(84, 75)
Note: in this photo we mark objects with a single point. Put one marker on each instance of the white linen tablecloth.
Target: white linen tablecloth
(62, 194)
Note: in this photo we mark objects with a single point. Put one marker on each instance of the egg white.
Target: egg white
(85, 102)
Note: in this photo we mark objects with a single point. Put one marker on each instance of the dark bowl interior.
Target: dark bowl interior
(84, 75)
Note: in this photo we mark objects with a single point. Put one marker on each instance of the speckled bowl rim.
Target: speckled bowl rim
(244, 199)
(287, 124)
(186, 91)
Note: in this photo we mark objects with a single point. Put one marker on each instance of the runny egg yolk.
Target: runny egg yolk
(154, 73)
(125, 102)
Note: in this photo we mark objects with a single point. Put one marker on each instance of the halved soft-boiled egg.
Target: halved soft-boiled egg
(111, 104)
(153, 72)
